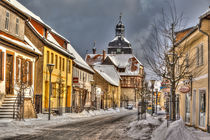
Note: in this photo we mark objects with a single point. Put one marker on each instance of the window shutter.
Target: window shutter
(2, 66)
(17, 69)
(197, 55)
(201, 55)
(30, 72)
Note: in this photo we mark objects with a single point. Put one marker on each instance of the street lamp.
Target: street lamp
(50, 68)
(152, 86)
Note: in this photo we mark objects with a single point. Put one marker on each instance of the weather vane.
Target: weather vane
(120, 16)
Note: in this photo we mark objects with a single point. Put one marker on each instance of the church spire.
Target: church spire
(120, 28)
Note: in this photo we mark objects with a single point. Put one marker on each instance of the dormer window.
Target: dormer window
(7, 21)
(17, 26)
(45, 33)
(65, 45)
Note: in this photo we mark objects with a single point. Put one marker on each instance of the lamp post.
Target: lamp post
(152, 86)
(50, 68)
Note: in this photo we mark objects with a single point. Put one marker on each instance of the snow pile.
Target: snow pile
(178, 131)
(142, 129)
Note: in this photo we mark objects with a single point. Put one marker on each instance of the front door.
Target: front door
(9, 74)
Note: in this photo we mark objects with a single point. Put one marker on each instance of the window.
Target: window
(56, 61)
(69, 67)
(132, 81)
(187, 59)
(202, 107)
(187, 108)
(48, 57)
(30, 73)
(121, 69)
(17, 26)
(199, 55)
(80, 76)
(54, 90)
(45, 33)
(118, 50)
(59, 63)
(52, 58)
(7, 21)
(18, 69)
(63, 64)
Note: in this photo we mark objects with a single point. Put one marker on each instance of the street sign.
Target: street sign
(75, 80)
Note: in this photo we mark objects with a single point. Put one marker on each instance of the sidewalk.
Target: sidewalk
(10, 127)
(178, 131)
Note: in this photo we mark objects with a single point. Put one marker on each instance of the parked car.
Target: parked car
(130, 106)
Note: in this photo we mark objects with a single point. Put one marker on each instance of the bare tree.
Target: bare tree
(163, 55)
(60, 92)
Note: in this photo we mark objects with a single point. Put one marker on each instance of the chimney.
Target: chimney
(94, 50)
(104, 55)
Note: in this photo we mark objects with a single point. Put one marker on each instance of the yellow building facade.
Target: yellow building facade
(61, 78)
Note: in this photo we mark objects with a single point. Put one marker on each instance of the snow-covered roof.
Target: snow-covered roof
(94, 59)
(206, 13)
(51, 41)
(78, 59)
(127, 61)
(109, 73)
(25, 10)
(27, 45)
(117, 38)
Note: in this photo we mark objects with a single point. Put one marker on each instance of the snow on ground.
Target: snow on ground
(142, 129)
(178, 131)
(10, 127)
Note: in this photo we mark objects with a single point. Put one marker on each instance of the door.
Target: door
(68, 97)
(9, 74)
(194, 108)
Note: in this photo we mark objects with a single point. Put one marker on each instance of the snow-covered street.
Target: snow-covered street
(71, 125)
(110, 124)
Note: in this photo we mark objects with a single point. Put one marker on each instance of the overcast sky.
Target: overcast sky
(86, 21)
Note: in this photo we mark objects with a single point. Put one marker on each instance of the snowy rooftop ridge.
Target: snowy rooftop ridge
(27, 46)
(109, 73)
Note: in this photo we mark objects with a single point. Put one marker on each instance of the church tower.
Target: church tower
(119, 45)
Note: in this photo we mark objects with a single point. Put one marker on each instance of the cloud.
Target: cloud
(86, 21)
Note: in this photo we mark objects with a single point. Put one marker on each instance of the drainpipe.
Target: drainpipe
(199, 28)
